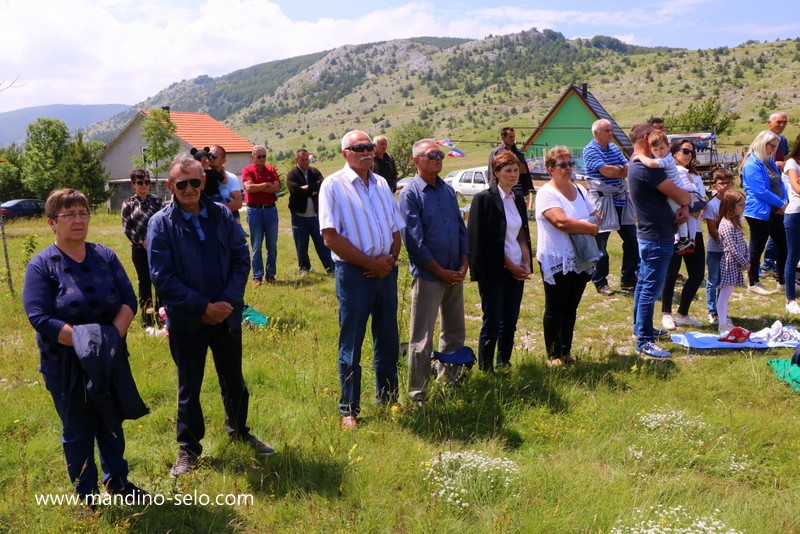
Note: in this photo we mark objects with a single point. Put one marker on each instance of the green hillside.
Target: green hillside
(466, 89)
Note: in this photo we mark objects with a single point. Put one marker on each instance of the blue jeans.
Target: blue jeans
(630, 255)
(791, 221)
(654, 259)
(359, 298)
(302, 229)
(713, 259)
(501, 297)
(263, 223)
(81, 426)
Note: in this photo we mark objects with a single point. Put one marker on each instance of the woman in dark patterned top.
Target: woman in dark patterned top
(71, 283)
(136, 213)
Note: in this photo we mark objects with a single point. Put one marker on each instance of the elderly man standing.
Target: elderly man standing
(261, 183)
(361, 226)
(508, 141)
(199, 265)
(383, 164)
(303, 183)
(438, 250)
(650, 189)
(606, 168)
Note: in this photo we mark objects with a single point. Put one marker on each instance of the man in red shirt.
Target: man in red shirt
(261, 183)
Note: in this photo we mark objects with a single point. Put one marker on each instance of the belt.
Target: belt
(261, 206)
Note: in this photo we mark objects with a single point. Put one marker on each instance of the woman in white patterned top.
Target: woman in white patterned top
(562, 209)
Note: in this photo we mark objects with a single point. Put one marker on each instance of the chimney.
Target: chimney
(166, 108)
(584, 90)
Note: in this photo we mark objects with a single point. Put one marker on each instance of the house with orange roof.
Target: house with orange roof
(194, 130)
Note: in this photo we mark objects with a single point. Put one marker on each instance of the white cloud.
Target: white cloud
(122, 51)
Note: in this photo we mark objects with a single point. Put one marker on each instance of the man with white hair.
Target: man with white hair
(607, 170)
(361, 226)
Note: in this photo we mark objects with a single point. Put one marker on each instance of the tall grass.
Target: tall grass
(598, 446)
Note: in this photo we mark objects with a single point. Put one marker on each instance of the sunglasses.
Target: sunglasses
(565, 164)
(214, 156)
(435, 154)
(194, 182)
(687, 151)
(368, 147)
(142, 182)
(261, 156)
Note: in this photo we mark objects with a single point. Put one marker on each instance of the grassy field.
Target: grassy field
(704, 441)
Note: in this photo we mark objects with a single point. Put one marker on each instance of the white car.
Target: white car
(468, 182)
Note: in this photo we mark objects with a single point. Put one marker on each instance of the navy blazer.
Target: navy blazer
(487, 233)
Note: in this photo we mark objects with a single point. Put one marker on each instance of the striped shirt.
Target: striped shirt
(365, 216)
(595, 157)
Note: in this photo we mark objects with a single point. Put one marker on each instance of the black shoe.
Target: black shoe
(186, 462)
(260, 448)
(132, 495)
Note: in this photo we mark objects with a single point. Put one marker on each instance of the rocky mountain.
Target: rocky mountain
(466, 89)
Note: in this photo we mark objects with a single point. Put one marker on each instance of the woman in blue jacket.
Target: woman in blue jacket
(766, 200)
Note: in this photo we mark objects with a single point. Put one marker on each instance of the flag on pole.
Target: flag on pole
(445, 142)
(455, 153)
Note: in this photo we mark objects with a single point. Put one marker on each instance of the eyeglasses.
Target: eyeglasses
(687, 151)
(368, 147)
(74, 215)
(565, 164)
(194, 182)
(261, 156)
(142, 182)
(435, 154)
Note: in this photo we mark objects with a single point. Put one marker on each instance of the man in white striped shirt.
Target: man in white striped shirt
(361, 226)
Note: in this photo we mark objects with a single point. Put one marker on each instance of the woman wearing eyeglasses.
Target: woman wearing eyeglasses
(136, 213)
(562, 208)
(80, 302)
(766, 201)
(683, 152)
(500, 259)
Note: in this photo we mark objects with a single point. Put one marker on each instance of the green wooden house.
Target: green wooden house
(569, 123)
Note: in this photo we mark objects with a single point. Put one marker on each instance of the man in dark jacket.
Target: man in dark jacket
(303, 183)
(199, 263)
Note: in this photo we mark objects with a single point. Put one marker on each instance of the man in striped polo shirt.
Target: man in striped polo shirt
(607, 170)
(361, 225)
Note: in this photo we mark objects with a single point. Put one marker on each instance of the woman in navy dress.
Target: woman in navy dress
(73, 282)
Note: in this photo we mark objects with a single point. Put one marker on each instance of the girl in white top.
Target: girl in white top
(561, 209)
(791, 221)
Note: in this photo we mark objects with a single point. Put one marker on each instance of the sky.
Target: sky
(124, 51)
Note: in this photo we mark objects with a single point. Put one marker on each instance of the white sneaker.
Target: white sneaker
(668, 322)
(712, 318)
(686, 320)
(780, 287)
(793, 307)
(725, 327)
(759, 289)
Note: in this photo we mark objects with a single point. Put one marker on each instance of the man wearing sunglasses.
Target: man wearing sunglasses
(361, 226)
(136, 213)
(261, 183)
(199, 264)
(438, 251)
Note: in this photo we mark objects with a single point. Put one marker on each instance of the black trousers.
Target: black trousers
(560, 310)
(696, 271)
(760, 231)
(189, 351)
(139, 258)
